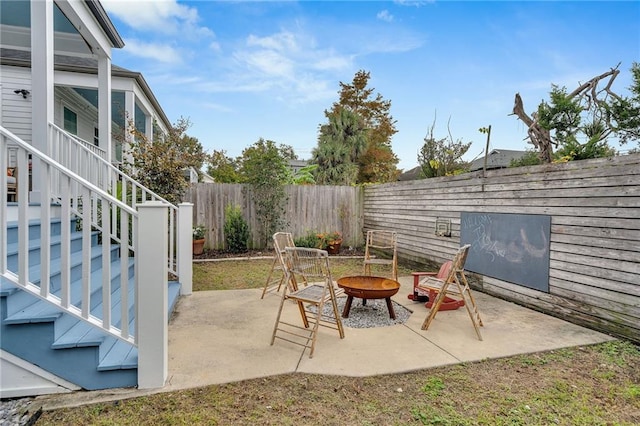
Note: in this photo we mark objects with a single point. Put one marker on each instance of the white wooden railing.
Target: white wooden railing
(79, 156)
(101, 215)
(67, 196)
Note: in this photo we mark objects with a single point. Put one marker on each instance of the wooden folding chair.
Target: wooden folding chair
(430, 296)
(277, 274)
(308, 264)
(455, 284)
(381, 249)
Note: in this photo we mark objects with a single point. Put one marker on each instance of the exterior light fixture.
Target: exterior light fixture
(23, 92)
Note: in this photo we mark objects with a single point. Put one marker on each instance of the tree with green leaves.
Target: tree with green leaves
(236, 229)
(341, 143)
(304, 176)
(580, 123)
(160, 164)
(442, 157)
(530, 158)
(264, 168)
(376, 162)
(221, 168)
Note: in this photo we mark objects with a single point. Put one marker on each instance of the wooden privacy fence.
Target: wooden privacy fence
(594, 248)
(310, 208)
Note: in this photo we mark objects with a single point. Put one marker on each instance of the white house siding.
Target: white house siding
(87, 114)
(16, 111)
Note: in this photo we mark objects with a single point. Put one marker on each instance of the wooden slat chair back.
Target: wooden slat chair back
(385, 245)
(454, 284)
(277, 275)
(312, 266)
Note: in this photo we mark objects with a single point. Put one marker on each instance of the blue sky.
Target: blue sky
(242, 70)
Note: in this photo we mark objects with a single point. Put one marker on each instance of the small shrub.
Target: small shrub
(311, 240)
(236, 230)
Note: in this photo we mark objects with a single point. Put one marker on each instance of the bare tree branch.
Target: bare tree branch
(539, 137)
(590, 99)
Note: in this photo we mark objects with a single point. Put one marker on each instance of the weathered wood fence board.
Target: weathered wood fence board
(310, 208)
(594, 276)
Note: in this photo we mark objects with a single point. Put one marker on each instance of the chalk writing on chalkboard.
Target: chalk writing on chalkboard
(511, 247)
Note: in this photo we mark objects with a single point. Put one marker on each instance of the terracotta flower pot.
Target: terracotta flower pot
(198, 246)
(334, 248)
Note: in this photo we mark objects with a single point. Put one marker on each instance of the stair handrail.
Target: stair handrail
(96, 199)
(95, 166)
(102, 153)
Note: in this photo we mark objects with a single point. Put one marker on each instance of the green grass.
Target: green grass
(503, 392)
(243, 274)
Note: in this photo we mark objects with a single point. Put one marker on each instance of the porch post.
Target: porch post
(148, 124)
(104, 106)
(41, 82)
(185, 247)
(129, 117)
(152, 295)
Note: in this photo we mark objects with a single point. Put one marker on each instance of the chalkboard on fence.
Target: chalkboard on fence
(510, 247)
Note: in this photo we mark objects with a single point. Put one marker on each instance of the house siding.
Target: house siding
(16, 111)
(87, 114)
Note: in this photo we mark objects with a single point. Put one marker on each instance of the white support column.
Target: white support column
(104, 105)
(148, 127)
(41, 81)
(129, 117)
(185, 248)
(152, 295)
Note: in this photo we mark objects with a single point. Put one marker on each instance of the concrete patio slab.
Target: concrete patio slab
(224, 336)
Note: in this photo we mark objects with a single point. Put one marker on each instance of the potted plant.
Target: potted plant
(198, 239)
(330, 241)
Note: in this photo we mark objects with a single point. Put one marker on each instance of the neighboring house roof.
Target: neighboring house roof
(190, 174)
(412, 174)
(105, 22)
(497, 159)
(296, 165)
(22, 58)
(205, 178)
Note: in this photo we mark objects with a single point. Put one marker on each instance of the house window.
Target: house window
(96, 136)
(70, 121)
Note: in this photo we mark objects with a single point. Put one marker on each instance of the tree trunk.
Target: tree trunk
(539, 137)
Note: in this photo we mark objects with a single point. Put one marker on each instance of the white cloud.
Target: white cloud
(384, 15)
(159, 52)
(289, 62)
(282, 41)
(414, 3)
(163, 16)
(267, 62)
(332, 61)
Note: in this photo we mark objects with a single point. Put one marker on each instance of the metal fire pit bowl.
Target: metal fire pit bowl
(368, 287)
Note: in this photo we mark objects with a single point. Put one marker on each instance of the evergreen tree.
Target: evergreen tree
(376, 162)
(340, 144)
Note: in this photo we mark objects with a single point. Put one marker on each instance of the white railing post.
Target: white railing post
(152, 295)
(185, 248)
